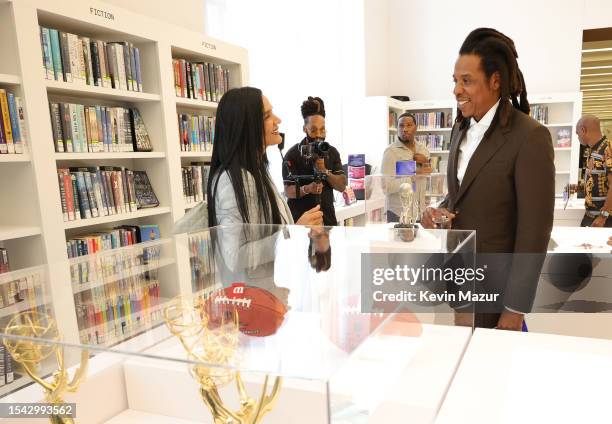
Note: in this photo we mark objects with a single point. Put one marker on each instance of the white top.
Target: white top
(226, 205)
(472, 139)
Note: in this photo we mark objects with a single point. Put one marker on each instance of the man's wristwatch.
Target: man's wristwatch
(604, 213)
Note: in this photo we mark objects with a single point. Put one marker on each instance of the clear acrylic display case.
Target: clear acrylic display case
(266, 325)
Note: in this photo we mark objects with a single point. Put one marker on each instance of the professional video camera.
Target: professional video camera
(315, 149)
(311, 151)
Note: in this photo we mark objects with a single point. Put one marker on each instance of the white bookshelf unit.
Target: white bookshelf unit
(32, 228)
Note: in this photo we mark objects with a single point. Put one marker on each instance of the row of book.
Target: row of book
(433, 142)
(200, 80)
(79, 128)
(111, 313)
(90, 192)
(392, 119)
(26, 288)
(13, 133)
(425, 120)
(4, 261)
(200, 261)
(125, 235)
(7, 375)
(195, 181)
(106, 267)
(197, 132)
(80, 60)
(539, 113)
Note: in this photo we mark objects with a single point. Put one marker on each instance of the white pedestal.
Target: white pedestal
(513, 377)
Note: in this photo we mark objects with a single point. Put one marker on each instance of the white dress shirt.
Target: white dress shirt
(472, 139)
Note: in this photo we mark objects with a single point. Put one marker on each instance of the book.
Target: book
(6, 124)
(141, 141)
(145, 196)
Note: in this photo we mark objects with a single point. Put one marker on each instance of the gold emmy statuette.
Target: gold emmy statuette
(217, 346)
(30, 353)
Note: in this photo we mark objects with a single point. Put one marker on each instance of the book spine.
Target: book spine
(66, 127)
(56, 55)
(101, 48)
(97, 188)
(189, 80)
(75, 194)
(117, 195)
(64, 50)
(138, 69)
(108, 186)
(68, 190)
(183, 66)
(177, 77)
(129, 134)
(125, 50)
(112, 72)
(95, 56)
(63, 199)
(93, 131)
(56, 126)
(22, 125)
(130, 53)
(45, 40)
(75, 54)
(207, 90)
(119, 54)
(6, 123)
(74, 122)
(83, 129)
(91, 195)
(132, 192)
(84, 205)
(88, 61)
(14, 124)
(125, 190)
(100, 128)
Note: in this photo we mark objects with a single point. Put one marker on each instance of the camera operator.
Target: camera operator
(312, 168)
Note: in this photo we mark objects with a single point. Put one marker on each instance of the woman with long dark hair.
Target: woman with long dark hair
(240, 189)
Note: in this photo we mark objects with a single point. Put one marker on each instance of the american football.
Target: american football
(260, 313)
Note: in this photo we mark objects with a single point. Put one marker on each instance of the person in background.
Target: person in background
(309, 194)
(405, 148)
(240, 189)
(501, 174)
(598, 177)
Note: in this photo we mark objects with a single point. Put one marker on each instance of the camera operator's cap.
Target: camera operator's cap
(313, 106)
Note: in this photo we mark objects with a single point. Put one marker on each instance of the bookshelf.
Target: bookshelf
(563, 111)
(32, 227)
(559, 113)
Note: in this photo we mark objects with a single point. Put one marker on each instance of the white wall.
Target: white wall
(597, 14)
(424, 38)
(184, 13)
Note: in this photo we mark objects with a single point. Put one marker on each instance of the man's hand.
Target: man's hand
(313, 188)
(600, 221)
(320, 164)
(420, 158)
(313, 216)
(434, 218)
(510, 321)
(464, 319)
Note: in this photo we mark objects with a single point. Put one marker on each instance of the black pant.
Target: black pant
(587, 221)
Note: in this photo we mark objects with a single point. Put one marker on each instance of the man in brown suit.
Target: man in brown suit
(501, 172)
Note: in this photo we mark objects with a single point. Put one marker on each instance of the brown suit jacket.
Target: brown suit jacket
(507, 196)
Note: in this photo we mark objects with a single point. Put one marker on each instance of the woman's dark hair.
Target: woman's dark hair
(238, 146)
(498, 54)
(313, 106)
(409, 115)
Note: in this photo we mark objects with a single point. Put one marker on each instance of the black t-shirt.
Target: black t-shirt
(299, 166)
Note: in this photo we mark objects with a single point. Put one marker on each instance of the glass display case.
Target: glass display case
(270, 324)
